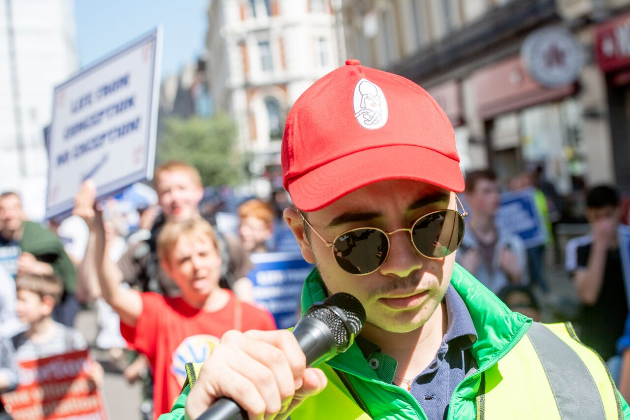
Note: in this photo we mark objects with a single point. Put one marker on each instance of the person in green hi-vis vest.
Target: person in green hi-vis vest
(370, 162)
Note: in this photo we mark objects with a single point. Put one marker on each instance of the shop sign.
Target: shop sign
(612, 44)
(553, 57)
(506, 86)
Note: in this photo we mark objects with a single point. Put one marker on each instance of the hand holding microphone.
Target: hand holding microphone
(265, 373)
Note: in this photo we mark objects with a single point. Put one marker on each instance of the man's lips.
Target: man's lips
(405, 301)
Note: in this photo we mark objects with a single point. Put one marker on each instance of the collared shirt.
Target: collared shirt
(433, 387)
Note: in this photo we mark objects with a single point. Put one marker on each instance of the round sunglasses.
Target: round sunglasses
(362, 251)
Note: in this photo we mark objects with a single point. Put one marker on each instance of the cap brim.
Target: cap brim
(328, 183)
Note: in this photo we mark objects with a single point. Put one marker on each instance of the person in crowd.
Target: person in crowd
(370, 161)
(8, 372)
(27, 248)
(179, 190)
(596, 267)
(495, 258)
(255, 225)
(255, 230)
(172, 331)
(37, 296)
(536, 253)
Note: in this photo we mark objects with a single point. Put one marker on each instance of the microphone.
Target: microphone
(327, 329)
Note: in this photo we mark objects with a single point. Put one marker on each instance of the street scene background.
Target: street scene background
(537, 91)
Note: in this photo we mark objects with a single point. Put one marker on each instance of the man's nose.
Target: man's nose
(403, 259)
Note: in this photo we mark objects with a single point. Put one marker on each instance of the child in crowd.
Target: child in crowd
(173, 331)
(37, 296)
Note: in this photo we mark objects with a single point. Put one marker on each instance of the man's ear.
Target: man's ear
(296, 224)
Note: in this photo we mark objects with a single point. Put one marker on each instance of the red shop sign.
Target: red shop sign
(612, 44)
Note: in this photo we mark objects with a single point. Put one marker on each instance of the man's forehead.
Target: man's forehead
(10, 200)
(407, 194)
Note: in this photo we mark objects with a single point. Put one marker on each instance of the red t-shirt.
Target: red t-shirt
(171, 333)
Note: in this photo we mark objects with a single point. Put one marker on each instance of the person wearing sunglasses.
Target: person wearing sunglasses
(375, 209)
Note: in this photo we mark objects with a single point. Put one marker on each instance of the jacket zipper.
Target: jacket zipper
(357, 398)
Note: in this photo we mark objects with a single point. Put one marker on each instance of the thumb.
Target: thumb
(314, 382)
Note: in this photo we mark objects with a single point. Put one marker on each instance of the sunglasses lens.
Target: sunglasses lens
(361, 251)
(438, 234)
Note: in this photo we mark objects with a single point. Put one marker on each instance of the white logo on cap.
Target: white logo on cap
(370, 106)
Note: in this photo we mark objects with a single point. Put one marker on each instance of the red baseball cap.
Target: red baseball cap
(357, 126)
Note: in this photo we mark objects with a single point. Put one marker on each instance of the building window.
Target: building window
(451, 15)
(321, 52)
(267, 7)
(390, 39)
(266, 58)
(419, 21)
(275, 119)
(253, 4)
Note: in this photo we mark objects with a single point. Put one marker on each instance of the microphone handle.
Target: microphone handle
(316, 341)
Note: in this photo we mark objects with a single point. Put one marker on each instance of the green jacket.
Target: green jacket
(47, 247)
(355, 388)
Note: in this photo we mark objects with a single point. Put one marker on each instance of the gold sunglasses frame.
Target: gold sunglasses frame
(330, 245)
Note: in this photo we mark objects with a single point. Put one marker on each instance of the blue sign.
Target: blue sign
(278, 278)
(283, 239)
(519, 215)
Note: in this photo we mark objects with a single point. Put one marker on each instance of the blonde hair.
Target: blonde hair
(258, 209)
(178, 166)
(43, 285)
(173, 230)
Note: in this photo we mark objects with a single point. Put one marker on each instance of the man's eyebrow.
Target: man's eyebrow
(358, 216)
(354, 216)
(434, 198)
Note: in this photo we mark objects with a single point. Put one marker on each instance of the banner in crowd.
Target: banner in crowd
(519, 215)
(104, 125)
(278, 278)
(54, 388)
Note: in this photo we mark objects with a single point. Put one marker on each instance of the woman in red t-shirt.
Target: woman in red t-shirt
(174, 331)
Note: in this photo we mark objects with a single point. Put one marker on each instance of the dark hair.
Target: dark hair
(505, 293)
(602, 196)
(475, 176)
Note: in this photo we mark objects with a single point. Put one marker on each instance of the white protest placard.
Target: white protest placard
(104, 124)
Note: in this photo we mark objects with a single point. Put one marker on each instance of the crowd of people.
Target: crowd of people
(168, 291)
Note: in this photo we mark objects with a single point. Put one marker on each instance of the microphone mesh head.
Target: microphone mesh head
(350, 307)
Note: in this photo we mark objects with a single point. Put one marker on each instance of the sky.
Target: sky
(105, 26)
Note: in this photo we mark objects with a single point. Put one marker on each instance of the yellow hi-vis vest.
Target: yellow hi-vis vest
(549, 374)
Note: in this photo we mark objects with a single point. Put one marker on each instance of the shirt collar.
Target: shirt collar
(460, 330)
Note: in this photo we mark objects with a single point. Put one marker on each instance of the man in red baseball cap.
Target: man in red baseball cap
(370, 162)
